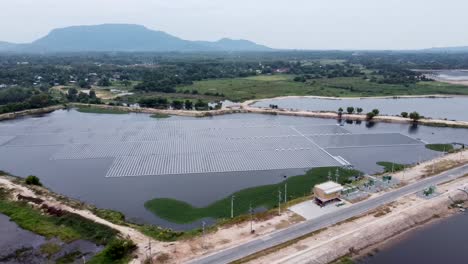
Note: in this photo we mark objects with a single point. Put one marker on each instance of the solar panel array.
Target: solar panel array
(363, 140)
(142, 146)
(220, 162)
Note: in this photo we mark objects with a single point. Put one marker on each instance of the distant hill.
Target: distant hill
(123, 37)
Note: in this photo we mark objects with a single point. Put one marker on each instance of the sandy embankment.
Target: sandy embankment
(247, 105)
(37, 111)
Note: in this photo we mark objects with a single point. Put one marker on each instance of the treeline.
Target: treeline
(164, 103)
(18, 99)
(317, 70)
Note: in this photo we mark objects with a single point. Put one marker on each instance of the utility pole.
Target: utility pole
(285, 192)
(232, 206)
(337, 175)
(251, 218)
(203, 234)
(279, 202)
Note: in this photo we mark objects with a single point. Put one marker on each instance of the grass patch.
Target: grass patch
(98, 110)
(69, 258)
(156, 232)
(268, 86)
(68, 227)
(50, 249)
(160, 115)
(441, 147)
(391, 167)
(261, 196)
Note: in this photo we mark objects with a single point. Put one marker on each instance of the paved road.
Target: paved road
(304, 228)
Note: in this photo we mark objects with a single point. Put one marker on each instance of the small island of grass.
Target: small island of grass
(99, 110)
(160, 115)
(441, 147)
(391, 167)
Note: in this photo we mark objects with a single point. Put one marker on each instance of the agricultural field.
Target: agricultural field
(269, 86)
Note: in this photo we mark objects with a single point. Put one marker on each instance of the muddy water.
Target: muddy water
(21, 246)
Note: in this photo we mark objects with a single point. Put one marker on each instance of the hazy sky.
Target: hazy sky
(301, 24)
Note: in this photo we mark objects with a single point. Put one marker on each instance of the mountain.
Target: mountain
(123, 37)
(4, 46)
(234, 45)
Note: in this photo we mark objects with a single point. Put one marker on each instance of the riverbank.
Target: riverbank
(245, 107)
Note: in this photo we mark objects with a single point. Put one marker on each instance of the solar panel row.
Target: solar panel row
(219, 162)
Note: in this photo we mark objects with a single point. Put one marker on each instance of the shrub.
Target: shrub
(33, 180)
(404, 114)
(118, 249)
(370, 115)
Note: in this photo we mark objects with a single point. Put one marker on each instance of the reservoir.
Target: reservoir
(452, 108)
(79, 154)
(440, 242)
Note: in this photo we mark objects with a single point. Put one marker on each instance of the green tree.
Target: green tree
(104, 82)
(176, 104)
(350, 110)
(376, 112)
(414, 116)
(359, 110)
(33, 180)
(188, 105)
(92, 94)
(404, 114)
(370, 115)
(72, 94)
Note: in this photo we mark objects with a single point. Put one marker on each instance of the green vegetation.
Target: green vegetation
(33, 180)
(269, 86)
(159, 116)
(391, 167)
(155, 232)
(50, 248)
(345, 260)
(116, 252)
(99, 110)
(414, 116)
(69, 257)
(441, 147)
(68, 227)
(262, 196)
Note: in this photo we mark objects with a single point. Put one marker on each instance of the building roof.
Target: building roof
(329, 187)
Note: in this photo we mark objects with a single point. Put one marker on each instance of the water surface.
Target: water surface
(453, 108)
(84, 179)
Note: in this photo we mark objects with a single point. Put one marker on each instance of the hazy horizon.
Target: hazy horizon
(297, 24)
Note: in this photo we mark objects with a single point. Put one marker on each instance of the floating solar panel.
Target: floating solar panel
(5, 139)
(363, 140)
(220, 162)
